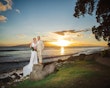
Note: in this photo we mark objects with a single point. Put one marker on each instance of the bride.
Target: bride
(33, 59)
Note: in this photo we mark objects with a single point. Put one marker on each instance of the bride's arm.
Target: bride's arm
(30, 45)
(32, 48)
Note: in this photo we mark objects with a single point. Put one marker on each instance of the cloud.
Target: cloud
(71, 31)
(3, 18)
(6, 6)
(18, 11)
(65, 32)
(70, 35)
(52, 36)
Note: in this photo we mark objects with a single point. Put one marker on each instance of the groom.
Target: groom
(40, 47)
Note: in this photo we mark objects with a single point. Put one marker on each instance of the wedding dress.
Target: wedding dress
(33, 60)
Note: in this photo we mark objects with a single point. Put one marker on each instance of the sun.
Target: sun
(62, 43)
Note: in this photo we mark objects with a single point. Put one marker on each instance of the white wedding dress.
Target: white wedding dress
(33, 60)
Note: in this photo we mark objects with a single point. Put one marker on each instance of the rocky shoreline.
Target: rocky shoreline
(13, 77)
(16, 64)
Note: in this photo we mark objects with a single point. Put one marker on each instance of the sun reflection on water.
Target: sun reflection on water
(62, 51)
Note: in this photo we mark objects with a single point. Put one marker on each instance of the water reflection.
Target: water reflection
(62, 51)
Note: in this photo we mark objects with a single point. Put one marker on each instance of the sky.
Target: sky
(21, 20)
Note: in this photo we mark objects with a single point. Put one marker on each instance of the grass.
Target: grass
(81, 74)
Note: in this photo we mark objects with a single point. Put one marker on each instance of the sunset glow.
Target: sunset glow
(62, 43)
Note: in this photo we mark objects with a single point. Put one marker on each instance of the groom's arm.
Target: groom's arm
(42, 45)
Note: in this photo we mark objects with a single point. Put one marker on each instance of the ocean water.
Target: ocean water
(17, 57)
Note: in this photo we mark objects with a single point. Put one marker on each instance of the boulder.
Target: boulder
(39, 72)
(44, 73)
(59, 61)
(15, 76)
(105, 53)
(71, 58)
(37, 67)
(6, 80)
(103, 60)
(89, 57)
(50, 68)
(82, 56)
(36, 75)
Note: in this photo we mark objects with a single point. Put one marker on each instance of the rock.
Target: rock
(68, 62)
(39, 72)
(105, 53)
(38, 67)
(89, 57)
(50, 68)
(36, 75)
(6, 80)
(47, 63)
(109, 44)
(15, 76)
(44, 73)
(40, 75)
(71, 58)
(2, 86)
(59, 61)
(58, 65)
(21, 74)
(33, 75)
(82, 56)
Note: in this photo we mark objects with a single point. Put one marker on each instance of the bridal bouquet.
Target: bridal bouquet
(32, 48)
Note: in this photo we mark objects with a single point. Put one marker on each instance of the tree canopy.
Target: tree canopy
(101, 8)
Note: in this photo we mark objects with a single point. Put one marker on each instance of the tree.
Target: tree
(102, 13)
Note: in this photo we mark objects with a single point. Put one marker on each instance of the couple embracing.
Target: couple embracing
(37, 47)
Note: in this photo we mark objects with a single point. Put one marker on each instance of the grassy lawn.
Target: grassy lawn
(80, 74)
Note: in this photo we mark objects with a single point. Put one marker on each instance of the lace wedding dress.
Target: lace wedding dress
(33, 60)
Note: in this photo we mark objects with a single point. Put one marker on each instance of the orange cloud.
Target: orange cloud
(3, 18)
(52, 36)
(71, 31)
(7, 6)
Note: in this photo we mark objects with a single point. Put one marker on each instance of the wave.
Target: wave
(8, 50)
(5, 49)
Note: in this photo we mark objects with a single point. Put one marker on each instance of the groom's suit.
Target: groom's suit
(40, 47)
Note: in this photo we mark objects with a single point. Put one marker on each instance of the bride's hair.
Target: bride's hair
(34, 38)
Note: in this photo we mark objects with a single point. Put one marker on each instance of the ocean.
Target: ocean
(12, 58)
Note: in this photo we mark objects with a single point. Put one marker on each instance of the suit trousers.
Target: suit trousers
(39, 54)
